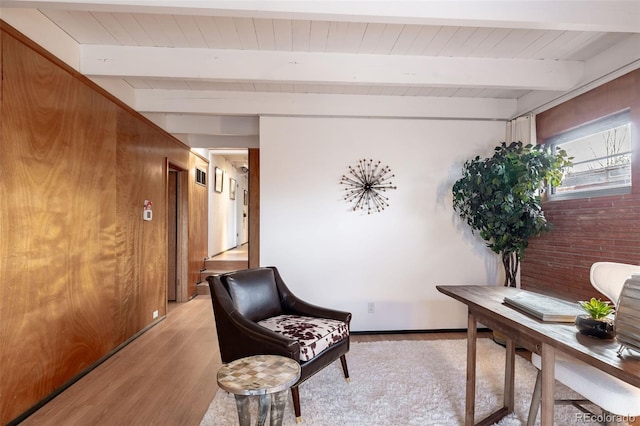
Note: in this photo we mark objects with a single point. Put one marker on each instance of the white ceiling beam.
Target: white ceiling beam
(212, 124)
(576, 15)
(215, 141)
(332, 68)
(247, 103)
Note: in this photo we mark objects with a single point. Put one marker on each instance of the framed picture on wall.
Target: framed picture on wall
(219, 183)
(232, 188)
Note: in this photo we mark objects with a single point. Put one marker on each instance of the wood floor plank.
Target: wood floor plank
(165, 377)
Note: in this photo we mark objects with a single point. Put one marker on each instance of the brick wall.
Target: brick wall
(587, 230)
(584, 231)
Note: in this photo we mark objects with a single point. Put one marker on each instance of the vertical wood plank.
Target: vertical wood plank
(254, 208)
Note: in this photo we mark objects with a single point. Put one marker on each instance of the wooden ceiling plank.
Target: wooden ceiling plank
(405, 39)
(153, 30)
(337, 35)
(353, 39)
(169, 26)
(460, 41)
(191, 31)
(371, 38)
(318, 35)
(112, 24)
(300, 35)
(388, 39)
(246, 33)
(209, 30)
(264, 34)
(282, 34)
(228, 33)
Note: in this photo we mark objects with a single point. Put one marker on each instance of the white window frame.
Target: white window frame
(596, 126)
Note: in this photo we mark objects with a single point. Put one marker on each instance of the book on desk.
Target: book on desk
(543, 307)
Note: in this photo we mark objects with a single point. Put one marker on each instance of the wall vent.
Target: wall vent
(201, 177)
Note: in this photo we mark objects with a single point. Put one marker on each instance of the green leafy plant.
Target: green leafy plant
(500, 197)
(596, 308)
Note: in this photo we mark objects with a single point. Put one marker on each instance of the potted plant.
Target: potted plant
(597, 321)
(500, 197)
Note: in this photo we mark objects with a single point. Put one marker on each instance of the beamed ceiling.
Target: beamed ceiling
(206, 70)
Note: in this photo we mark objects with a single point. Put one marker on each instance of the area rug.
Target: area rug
(405, 383)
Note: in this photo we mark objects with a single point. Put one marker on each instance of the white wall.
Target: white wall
(332, 256)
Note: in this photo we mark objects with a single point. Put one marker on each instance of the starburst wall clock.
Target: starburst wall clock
(364, 184)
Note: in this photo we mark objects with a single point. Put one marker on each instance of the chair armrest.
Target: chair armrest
(298, 306)
(257, 339)
(292, 304)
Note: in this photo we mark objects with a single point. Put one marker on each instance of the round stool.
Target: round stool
(266, 376)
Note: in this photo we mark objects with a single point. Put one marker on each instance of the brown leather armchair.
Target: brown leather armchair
(257, 314)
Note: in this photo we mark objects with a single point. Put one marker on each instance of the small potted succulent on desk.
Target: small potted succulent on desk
(597, 321)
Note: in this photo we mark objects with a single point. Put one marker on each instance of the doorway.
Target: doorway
(246, 214)
(176, 234)
(172, 236)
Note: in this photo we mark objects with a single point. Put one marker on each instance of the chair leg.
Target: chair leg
(535, 400)
(343, 361)
(295, 393)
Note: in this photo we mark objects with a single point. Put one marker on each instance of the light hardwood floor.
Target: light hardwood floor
(165, 377)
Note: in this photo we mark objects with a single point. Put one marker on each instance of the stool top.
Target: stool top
(258, 375)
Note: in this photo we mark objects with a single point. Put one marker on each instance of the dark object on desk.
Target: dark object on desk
(627, 323)
(600, 328)
(543, 307)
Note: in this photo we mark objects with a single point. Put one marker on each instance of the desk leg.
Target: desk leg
(244, 414)
(548, 381)
(470, 401)
(509, 375)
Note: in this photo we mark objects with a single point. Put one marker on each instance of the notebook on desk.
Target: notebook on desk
(543, 307)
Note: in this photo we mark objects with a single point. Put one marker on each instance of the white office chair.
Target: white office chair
(612, 395)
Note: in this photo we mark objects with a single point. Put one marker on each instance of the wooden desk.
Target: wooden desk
(485, 305)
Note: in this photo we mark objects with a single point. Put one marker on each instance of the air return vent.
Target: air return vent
(201, 177)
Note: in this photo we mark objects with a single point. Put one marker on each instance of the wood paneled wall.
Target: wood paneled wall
(80, 272)
(594, 229)
(198, 218)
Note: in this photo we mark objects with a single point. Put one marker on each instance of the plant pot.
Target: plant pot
(602, 329)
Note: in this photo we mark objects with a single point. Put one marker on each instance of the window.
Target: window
(601, 152)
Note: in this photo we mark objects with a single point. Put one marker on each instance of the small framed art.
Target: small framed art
(219, 183)
(232, 188)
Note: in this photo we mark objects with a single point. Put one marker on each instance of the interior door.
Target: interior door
(172, 236)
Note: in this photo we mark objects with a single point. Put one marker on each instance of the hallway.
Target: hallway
(237, 253)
